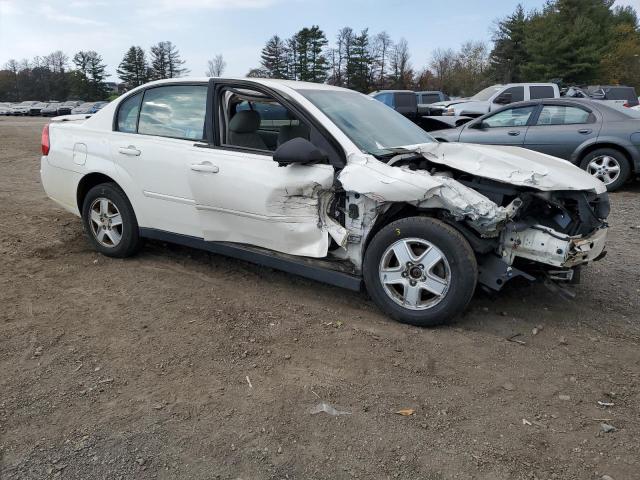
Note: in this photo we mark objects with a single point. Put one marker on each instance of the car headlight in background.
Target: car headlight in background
(449, 111)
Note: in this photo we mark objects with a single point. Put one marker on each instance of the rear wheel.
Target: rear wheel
(420, 271)
(608, 165)
(109, 221)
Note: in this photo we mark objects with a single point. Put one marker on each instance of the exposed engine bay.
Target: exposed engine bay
(515, 230)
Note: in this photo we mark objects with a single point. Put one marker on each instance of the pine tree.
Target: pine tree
(359, 63)
(90, 75)
(133, 70)
(274, 58)
(166, 61)
(509, 54)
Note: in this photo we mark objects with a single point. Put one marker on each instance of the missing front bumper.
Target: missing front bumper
(549, 247)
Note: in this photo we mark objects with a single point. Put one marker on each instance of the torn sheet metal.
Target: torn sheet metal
(387, 184)
(513, 165)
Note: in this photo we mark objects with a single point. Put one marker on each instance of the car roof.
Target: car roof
(610, 112)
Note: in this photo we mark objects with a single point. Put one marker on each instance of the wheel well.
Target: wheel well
(612, 146)
(479, 245)
(87, 183)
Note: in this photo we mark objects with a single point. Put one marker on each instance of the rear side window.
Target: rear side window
(407, 99)
(175, 111)
(563, 115)
(541, 92)
(517, 93)
(128, 114)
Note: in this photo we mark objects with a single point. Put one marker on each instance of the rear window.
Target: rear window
(621, 93)
(541, 92)
(430, 98)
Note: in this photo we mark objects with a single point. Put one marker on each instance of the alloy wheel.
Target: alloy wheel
(105, 222)
(605, 168)
(414, 273)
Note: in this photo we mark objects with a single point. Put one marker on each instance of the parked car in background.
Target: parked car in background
(36, 108)
(5, 108)
(51, 110)
(88, 107)
(23, 108)
(350, 192)
(493, 98)
(619, 95)
(430, 97)
(602, 139)
(404, 102)
(66, 107)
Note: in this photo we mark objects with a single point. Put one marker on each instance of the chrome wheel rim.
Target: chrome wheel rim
(415, 273)
(105, 222)
(605, 168)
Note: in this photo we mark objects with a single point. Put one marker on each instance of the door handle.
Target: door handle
(204, 167)
(130, 150)
(514, 133)
(585, 131)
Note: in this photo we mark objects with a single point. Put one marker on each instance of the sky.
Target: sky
(238, 29)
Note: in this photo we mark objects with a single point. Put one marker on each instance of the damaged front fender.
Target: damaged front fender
(387, 184)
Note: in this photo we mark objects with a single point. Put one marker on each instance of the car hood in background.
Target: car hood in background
(513, 165)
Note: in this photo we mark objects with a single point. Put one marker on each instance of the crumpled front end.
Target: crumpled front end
(514, 228)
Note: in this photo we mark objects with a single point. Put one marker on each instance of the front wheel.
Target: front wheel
(420, 271)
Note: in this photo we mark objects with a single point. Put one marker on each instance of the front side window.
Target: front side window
(512, 117)
(128, 114)
(260, 123)
(175, 111)
(371, 126)
(562, 115)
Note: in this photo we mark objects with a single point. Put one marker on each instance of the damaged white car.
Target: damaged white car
(325, 183)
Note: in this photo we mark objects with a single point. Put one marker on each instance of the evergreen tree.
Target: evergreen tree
(166, 61)
(509, 54)
(133, 70)
(359, 63)
(274, 58)
(306, 57)
(90, 75)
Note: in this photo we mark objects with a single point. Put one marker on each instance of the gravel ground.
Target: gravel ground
(183, 364)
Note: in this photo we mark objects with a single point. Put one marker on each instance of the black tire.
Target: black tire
(130, 241)
(625, 168)
(461, 260)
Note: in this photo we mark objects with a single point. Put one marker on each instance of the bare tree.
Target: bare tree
(380, 51)
(400, 65)
(216, 66)
(442, 65)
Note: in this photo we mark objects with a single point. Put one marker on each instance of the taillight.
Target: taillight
(626, 104)
(45, 140)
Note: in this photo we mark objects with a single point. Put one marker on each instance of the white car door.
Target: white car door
(154, 147)
(247, 198)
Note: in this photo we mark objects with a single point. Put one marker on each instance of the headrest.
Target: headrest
(245, 121)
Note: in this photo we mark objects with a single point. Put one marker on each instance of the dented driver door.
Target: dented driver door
(247, 198)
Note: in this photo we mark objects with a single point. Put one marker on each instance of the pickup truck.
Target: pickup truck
(409, 103)
(350, 192)
(493, 98)
(616, 95)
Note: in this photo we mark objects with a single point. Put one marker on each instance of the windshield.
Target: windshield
(487, 93)
(371, 125)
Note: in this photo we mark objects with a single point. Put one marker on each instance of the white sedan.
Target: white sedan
(322, 182)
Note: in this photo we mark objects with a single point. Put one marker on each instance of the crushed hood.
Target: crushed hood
(514, 165)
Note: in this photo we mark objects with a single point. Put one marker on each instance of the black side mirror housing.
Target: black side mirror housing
(298, 150)
(503, 99)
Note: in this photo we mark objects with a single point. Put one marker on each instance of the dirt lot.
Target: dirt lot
(181, 364)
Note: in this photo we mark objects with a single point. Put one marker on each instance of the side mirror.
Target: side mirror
(298, 150)
(478, 125)
(503, 99)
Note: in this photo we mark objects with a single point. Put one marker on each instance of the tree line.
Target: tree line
(566, 41)
(57, 76)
